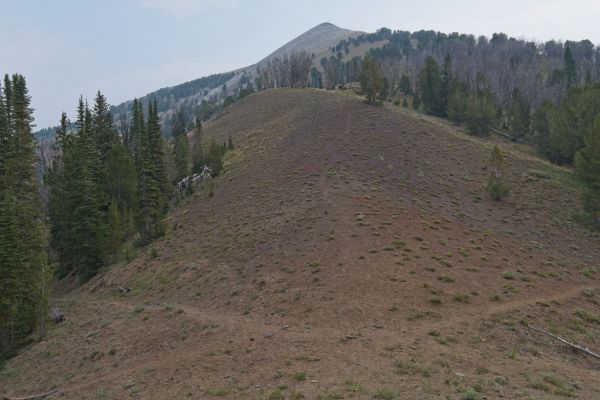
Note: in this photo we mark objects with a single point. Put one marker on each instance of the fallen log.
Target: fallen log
(572, 345)
(123, 290)
(34, 397)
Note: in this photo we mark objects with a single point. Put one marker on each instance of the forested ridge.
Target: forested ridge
(188, 98)
(541, 71)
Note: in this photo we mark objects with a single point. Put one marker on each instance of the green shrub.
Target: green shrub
(385, 394)
(497, 189)
(470, 394)
(300, 376)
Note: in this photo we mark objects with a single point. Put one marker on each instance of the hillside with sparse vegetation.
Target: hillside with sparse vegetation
(388, 215)
(348, 251)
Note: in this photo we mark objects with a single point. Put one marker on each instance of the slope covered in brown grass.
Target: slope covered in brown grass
(349, 252)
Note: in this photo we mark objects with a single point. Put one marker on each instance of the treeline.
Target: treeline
(339, 72)
(176, 97)
(287, 71)
(298, 71)
(441, 94)
(568, 133)
(105, 189)
(109, 190)
(24, 271)
(245, 89)
(542, 71)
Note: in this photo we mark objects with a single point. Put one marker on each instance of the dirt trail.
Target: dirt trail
(473, 314)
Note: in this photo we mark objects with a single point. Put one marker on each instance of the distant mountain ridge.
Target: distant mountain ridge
(189, 97)
(193, 97)
(333, 58)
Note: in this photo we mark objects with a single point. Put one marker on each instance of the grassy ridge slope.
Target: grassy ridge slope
(348, 251)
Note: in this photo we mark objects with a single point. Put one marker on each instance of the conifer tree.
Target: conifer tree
(496, 186)
(569, 122)
(76, 207)
(587, 166)
(404, 86)
(416, 103)
(22, 239)
(371, 79)
(119, 177)
(214, 158)
(158, 144)
(103, 130)
(93, 192)
(29, 211)
(59, 208)
(384, 93)
(518, 115)
(570, 69)
(430, 88)
(9, 259)
(137, 134)
(122, 192)
(445, 86)
(197, 162)
(6, 142)
(88, 228)
(481, 113)
(180, 147)
(541, 125)
(457, 102)
(116, 232)
(153, 182)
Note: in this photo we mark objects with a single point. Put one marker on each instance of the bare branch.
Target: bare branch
(573, 345)
(34, 397)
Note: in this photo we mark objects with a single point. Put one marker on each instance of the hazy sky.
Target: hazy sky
(127, 48)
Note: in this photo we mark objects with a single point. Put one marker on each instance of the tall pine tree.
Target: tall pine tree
(587, 166)
(430, 88)
(154, 187)
(197, 157)
(59, 208)
(89, 224)
(93, 197)
(445, 86)
(371, 79)
(22, 237)
(77, 201)
(180, 147)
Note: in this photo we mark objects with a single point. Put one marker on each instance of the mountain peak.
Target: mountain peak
(316, 40)
(326, 25)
